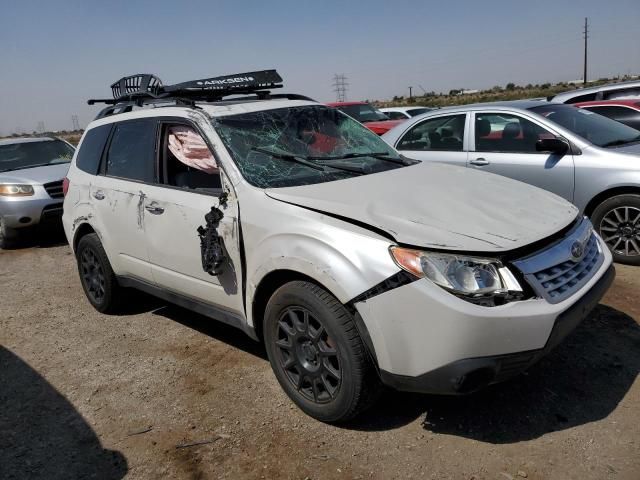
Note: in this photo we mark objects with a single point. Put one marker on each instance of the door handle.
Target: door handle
(480, 162)
(154, 208)
(98, 195)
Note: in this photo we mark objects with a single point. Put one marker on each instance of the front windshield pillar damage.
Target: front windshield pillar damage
(303, 145)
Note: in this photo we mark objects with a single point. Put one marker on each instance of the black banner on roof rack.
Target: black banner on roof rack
(241, 81)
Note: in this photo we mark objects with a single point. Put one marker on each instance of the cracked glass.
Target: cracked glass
(303, 145)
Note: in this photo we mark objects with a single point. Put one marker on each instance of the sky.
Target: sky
(55, 55)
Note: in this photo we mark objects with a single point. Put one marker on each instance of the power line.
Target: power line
(75, 122)
(340, 87)
(585, 34)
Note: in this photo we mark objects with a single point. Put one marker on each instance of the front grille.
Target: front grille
(562, 280)
(53, 211)
(54, 189)
(557, 272)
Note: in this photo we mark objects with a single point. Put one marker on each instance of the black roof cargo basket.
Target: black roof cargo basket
(145, 89)
(146, 86)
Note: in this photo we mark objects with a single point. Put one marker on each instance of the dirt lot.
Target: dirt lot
(83, 395)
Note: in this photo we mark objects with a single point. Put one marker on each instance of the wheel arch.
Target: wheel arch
(276, 279)
(81, 230)
(267, 286)
(611, 192)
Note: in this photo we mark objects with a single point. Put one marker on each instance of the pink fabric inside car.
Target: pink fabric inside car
(189, 147)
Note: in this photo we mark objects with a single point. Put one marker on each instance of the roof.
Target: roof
(563, 96)
(633, 103)
(512, 104)
(403, 109)
(345, 104)
(11, 141)
(215, 109)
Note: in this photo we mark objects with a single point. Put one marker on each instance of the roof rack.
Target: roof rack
(146, 89)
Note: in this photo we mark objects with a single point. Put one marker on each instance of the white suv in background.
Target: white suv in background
(354, 265)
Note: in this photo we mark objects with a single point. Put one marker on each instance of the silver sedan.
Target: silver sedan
(584, 157)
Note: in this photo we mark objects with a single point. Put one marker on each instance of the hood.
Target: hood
(383, 126)
(37, 175)
(441, 206)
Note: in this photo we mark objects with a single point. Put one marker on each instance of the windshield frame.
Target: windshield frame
(241, 150)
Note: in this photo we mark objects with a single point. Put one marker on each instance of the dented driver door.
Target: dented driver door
(172, 218)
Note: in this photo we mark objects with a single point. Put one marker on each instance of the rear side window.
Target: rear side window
(132, 151)
(88, 159)
(628, 116)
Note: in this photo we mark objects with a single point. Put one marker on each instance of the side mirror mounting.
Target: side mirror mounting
(553, 145)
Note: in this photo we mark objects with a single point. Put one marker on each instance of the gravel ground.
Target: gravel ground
(162, 392)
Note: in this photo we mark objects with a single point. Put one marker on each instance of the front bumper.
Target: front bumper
(422, 337)
(23, 212)
(471, 374)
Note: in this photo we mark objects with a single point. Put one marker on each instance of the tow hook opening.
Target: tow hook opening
(474, 380)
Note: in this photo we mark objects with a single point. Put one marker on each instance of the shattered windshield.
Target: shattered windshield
(363, 112)
(303, 145)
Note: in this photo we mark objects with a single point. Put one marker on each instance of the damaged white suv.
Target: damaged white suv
(355, 266)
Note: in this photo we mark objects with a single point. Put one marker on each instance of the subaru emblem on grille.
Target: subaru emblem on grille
(577, 250)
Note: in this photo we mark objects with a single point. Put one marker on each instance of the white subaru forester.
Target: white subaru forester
(356, 266)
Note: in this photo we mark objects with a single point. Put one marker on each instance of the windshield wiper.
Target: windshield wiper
(290, 157)
(379, 155)
(615, 143)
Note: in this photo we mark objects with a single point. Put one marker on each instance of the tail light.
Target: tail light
(65, 186)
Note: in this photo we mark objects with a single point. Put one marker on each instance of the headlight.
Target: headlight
(465, 276)
(16, 190)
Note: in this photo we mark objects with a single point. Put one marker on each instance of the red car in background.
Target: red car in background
(369, 116)
(625, 111)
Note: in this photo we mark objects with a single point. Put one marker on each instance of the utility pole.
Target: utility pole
(586, 35)
(410, 92)
(340, 87)
(74, 121)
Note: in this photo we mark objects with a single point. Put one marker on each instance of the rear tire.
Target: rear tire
(96, 275)
(617, 220)
(8, 236)
(317, 354)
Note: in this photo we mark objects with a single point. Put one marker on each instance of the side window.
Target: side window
(396, 115)
(630, 92)
(583, 98)
(132, 150)
(499, 132)
(440, 133)
(88, 159)
(186, 160)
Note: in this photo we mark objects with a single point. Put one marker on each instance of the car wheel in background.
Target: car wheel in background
(8, 236)
(317, 354)
(617, 220)
(96, 275)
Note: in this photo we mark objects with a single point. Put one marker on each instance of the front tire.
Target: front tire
(99, 283)
(617, 220)
(8, 236)
(317, 354)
